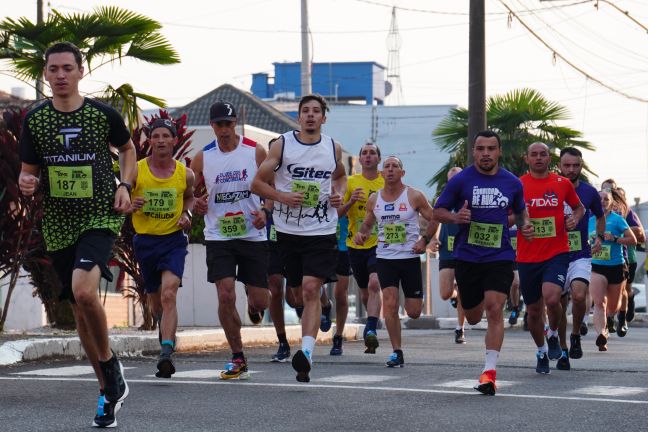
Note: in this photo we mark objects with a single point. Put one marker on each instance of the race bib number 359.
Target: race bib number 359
(232, 226)
(70, 182)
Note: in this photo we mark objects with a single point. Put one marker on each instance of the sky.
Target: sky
(225, 42)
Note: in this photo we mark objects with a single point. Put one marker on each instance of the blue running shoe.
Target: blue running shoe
(513, 318)
(371, 342)
(282, 355)
(106, 413)
(325, 319)
(563, 362)
(337, 345)
(543, 363)
(395, 361)
(555, 352)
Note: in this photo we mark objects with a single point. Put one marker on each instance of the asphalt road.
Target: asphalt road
(355, 392)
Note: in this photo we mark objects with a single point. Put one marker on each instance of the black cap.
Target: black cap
(163, 123)
(222, 110)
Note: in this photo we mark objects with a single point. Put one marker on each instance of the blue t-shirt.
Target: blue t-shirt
(489, 197)
(343, 232)
(447, 238)
(615, 225)
(578, 239)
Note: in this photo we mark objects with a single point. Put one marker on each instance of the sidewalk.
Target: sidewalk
(47, 342)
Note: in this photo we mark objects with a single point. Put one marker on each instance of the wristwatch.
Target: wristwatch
(128, 187)
(189, 214)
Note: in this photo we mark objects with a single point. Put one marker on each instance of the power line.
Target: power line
(439, 12)
(556, 54)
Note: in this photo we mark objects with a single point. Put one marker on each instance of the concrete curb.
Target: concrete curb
(137, 344)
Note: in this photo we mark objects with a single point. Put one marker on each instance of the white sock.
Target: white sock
(308, 344)
(586, 318)
(544, 348)
(551, 333)
(491, 359)
(459, 327)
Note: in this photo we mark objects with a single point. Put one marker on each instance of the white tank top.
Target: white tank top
(306, 166)
(228, 177)
(398, 227)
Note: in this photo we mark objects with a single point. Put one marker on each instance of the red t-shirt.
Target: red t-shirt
(545, 200)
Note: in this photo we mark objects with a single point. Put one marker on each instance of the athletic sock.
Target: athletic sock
(551, 333)
(238, 355)
(167, 342)
(544, 348)
(282, 338)
(459, 328)
(586, 317)
(308, 344)
(491, 359)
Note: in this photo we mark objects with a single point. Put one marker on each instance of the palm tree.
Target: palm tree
(520, 117)
(106, 35)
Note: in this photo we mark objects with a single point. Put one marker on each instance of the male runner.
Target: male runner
(235, 227)
(304, 176)
(65, 147)
(162, 203)
(479, 200)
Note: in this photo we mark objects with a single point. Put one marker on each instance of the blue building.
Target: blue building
(337, 82)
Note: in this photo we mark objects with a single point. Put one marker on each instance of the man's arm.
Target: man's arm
(367, 225)
(28, 179)
(187, 200)
(127, 170)
(263, 182)
(424, 208)
(338, 179)
(200, 204)
(524, 225)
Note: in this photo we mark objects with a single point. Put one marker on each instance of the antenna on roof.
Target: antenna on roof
(393, 62)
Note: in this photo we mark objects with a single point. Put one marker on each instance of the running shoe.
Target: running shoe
(105, 416)
(371, 342)
(542, 366)
(459, 336)
(336, 350)
(575, 350)
(395, 360)
(555, 352)
(165, 365)
(630, 314)
(115, 387)
(299, 310)
(283, 353)
(601, 342)
(622, 328)
(255, 316)
(583, 328)
(515, 314)
(563, 361)
(453, 302)
(611, 326)
(302, 363)
(325, 318)
(487, 383)
(236, 369)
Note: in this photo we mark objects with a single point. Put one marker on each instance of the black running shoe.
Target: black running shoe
(371, 342)
(116, 387)
(301, 362)
(283, 353)
(453, 302)
(575, 350)
(459, 336)
(299, 310)
(542, 367)
(622, 329)
(601, 342)
(611, 325)
(563, 362)
(105, 416)
(336, 350)
(515, 314)
(583, 328)
(325, 318)
(395, 360)
(630, 314)
(165, 365)
(255, 316)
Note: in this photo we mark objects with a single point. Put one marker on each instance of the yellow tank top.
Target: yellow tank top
(163, 197)
(358, 210)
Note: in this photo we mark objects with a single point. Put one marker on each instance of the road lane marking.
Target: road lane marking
(337, 387)
(356, 379)
(610, 391)
(67, 371)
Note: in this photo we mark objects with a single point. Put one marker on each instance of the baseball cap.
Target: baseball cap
(222, 110)
(163, 123)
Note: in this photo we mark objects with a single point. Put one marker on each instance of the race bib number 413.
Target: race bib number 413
(70, 182)
(544, 227)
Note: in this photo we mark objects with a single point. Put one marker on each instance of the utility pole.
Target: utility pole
(306, 61)
(476, 73)
(39, 20)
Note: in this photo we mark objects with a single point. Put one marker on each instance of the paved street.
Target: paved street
(603, 391)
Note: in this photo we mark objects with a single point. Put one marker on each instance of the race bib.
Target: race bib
(450, 243)
(544, 227)
(486, 235)
(70, 182)
(160, 200)
(311, 192)
(574, 241)
(605, 254)
(232, 226)
(374, 230)
(273, 233)
(395, 233)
